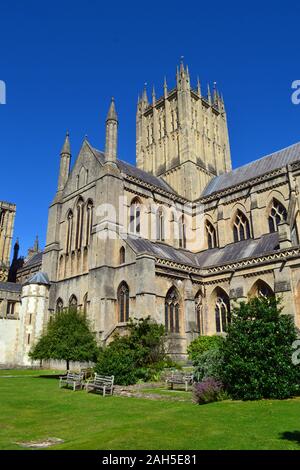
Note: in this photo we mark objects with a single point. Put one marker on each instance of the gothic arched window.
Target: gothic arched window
(123, 302)
(261, 289)
(59, 305)
(182, 232)
(73, 303)
(277, 214)
(172, 311)
(85, 303)
(222, 311)
(210, 235)
(199, 313)
(89, 221)
(241, 227)
(79, 223)
(122, 255)
(69, 231)
(135, 217)
(160, 225)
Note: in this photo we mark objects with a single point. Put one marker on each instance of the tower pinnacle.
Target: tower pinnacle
(111, 137)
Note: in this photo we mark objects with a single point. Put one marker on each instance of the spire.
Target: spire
(36, 244)
(208, 94)
(111, 136)
(65, 158)
(215, 94)
(182, 71)
(199, 87)
(145, 97)
(153, 96)
(165, 88)
(16, 249)
(112, 115)
(66, 148)
(187, 71)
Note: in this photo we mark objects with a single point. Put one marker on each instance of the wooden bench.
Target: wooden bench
(179, 378)
(87, 373)
(71, 379)
(104, 383)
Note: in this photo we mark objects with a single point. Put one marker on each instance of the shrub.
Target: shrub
(202, 344)
(258, 352)
(209, 364)
(139, 355)
(207, 391)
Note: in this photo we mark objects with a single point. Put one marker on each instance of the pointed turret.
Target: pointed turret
(182, 71)
(16, 250)
(153, 96)
(36, 244)
(215, 94)
(198, 87)
(111, 133)
(65, 159)
(112, 115)
(66, 148)
(165, 88)
(208, 94)
(145, 97)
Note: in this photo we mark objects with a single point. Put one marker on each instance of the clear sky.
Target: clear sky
(63, 60)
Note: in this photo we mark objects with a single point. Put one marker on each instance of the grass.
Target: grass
(34, 408)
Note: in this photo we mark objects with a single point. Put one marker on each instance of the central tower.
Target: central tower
(183, 136)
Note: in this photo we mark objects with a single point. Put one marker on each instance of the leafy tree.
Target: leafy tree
(68, 337)
(257, 352)
(139, 354)
(202, 344)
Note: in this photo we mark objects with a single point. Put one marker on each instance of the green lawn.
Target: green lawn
(34, 408)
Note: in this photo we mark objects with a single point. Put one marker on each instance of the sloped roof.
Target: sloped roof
(10, 287)
(36, 259)
(39, 278)
(135, 172)
(217, 256)
(256, 168)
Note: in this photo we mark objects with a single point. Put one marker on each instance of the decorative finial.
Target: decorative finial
(145, 97)
(66, 149)
(165, 87)
(198, 87)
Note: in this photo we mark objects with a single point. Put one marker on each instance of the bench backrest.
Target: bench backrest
(180, 377)
(74, 376)
(107, 380)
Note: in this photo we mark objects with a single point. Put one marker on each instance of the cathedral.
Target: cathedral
(180, 236)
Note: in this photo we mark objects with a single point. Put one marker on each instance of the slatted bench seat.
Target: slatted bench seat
(103, 383)
(72, 379)
(179, 378)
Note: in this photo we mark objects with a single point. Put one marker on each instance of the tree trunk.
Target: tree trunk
(68, 363)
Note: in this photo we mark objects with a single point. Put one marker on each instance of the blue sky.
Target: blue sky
(63, 60)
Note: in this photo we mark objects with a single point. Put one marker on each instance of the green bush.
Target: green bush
(68, 337)
(202, 344)
(139, 355)
(257, 352)
(209, 364)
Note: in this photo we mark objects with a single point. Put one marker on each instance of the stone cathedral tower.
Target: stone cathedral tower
(7, 219)
(183, 136)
